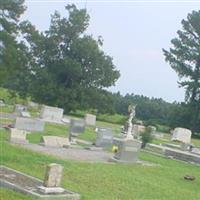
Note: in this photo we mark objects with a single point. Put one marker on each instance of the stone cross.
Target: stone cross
(53, 175)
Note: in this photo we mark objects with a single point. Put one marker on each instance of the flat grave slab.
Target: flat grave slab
(55, 141)
(26, 184)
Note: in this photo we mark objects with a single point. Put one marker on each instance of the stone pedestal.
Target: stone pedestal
(53, 175)
(128, 150)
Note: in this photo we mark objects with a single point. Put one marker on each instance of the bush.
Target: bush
(146, 137)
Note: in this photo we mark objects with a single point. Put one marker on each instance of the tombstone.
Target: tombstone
(18, 136)
(137, 130)
(51, 114)
(90, 119)
(2, 103)
(20, 108)
(33, 105)
(104, 137)
(55, 141)
(128, 150)
(29, 124)
(25, 114)
(182, 135)
(77, 126)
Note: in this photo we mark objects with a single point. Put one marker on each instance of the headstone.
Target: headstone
(128, 150)
(66, 120)
(53, 175)
(32, 104)
(18, 136)
(182, 135)
(29, 124)
(51, 114)
(77, 126)
(25, 114)
(20, 108)
(104, 137)
(90, 119)
(137, 130)
(2, 103)
(55, 141)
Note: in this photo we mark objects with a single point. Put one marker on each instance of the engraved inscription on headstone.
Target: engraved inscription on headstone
(104, 137)
(18, 136)
(77, 126)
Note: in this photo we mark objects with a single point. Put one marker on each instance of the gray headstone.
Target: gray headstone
(20, 108)
(29, 124)
(25, 114)
(53, 175)
(104, 137)
(128, 150)
(90, 119)
(51, 114)
(77, 126)
(55, 141)
(18, 136)
(32, 104)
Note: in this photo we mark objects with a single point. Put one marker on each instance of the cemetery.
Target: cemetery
(67, 134)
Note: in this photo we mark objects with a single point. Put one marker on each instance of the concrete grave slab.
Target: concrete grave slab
(90, 119)
(55, 141)
(29, 185)
(182, 135)
(29, 124)
(51, 114)
(25, 114)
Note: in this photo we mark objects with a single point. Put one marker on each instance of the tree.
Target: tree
(184, 58)
(11, 51)
(64, 63)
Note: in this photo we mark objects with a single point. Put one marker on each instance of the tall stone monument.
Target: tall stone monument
(128, 147)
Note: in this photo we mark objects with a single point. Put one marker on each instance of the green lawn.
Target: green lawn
(99, 181)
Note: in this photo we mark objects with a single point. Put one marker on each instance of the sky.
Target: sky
(134, 33)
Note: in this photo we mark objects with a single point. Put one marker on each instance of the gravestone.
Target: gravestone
(182, 135)
(19, 109)
(18, 136)
(29, 124)
(104, 137)
(77, 126)
(2, 103)
(51, 114)
(25, 114)
(90, 119)
(33, 105)
(128, 150)
(26, 184)
(137, 130)
(55, 141)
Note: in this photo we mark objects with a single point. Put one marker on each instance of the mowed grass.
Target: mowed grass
(98, 181)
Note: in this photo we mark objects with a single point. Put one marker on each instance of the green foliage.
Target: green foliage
(11, 51)
(71, 62)
(146, 136)
(184, 58)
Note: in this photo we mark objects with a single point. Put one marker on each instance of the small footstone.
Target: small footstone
(51, 190)
(189, 177)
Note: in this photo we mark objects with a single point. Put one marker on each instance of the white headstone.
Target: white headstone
(29, 124)
(32, 104)
(137, 129)
(55, 141)
(18, 136)
(25, 114)
(51, 114)
(182, 135)
(90, 119)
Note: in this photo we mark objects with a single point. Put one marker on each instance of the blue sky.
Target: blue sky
(134, 34)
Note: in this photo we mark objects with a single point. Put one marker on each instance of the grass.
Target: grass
(98, 181)
(7, 109)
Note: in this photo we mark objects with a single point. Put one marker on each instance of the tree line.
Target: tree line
(63, 66)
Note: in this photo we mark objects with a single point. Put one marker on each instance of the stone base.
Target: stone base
(51, 190)
(128, 150)
(18, 141)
